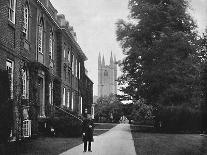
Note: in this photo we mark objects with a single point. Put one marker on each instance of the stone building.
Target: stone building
(107, 75)
(46, 65)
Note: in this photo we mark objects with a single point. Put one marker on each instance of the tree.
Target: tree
(108, 108)
(159, 42)
(203, 52)
(141, 112)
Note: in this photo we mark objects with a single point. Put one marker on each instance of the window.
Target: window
(12, 5)
(105, 73)
(81, 105)
(51, 45)
(26, 19)
(40, 37)
(51, 93)
(72, 64)
(76, 66)
(10, 69)
(79, 69)
(72, 100)
(64, 51)
(65, 73)
(69, 76)
(68, 102)
(25, 83)
(69, 55)
(64, 96)
(26, 128)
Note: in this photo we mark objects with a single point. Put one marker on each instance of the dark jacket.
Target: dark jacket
(87, 128)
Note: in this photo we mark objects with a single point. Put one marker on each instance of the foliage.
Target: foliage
(203, 52)
(64, 125)
(180, 118)
(6, 113)
(160, 46)
(108, 109)
(141, 112)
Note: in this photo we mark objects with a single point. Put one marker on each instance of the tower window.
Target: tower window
(105, 73)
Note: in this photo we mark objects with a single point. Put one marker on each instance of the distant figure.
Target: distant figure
(123, 119)
(87, 129)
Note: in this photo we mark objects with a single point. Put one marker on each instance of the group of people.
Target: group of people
(87, 132)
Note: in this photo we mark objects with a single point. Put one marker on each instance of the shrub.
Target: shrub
(6, 114)
(180, 119)
(65, 125)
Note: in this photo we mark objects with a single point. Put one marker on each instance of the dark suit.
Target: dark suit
(87, 128)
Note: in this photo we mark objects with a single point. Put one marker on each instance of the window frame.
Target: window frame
(51, 92)
(40, 37)
(68, 99)
(69, 52)
(11, 76)
(72, 102)
(26, 19)
(12, 10)
(51, 45)
(79, 70)
(25, 84)
(63, 96)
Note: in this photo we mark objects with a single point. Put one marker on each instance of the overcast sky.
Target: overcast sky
(94, 22)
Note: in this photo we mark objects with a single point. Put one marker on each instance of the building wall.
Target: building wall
(23, 52)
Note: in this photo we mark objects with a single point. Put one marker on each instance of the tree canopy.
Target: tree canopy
(159, 42)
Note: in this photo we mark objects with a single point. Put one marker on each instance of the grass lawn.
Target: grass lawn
(169, 144)
(45, 146)
(101, 128)
(53, 145)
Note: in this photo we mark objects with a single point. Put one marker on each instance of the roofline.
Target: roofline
(89, 78)
(75, 42)
(48, 13)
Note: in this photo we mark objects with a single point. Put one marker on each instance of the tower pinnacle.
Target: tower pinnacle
(103, 61)
(111, 60)
(99, 61)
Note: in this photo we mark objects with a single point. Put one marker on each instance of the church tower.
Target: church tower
(107, 75)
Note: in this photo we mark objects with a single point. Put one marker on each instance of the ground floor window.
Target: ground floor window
(41, 95)
(10, 69)
(26, 128)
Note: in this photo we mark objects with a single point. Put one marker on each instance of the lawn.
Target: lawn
(53, 145)
(169, 144)
(45, 146)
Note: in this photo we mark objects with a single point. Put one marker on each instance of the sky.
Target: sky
(94, 23)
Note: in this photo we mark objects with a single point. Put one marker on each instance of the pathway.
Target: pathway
(117, 141)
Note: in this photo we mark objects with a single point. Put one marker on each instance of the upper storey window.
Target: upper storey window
(25, 84)
(26, 19)
(40, 37)
(69, 54)
(51, 45)
(12, 5)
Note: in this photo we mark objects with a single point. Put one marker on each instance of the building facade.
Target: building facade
(38, 47)
(107, 76)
